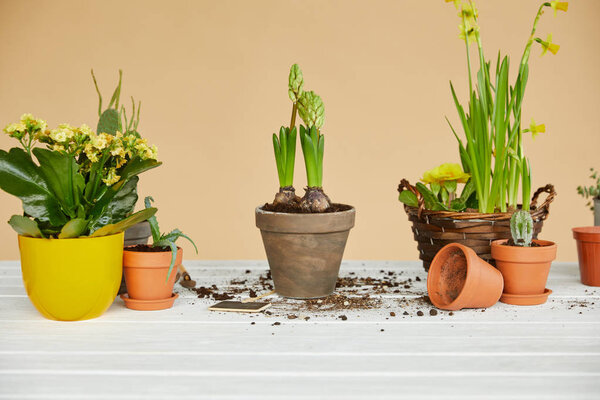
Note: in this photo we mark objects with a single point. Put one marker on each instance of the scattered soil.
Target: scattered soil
(433, 312)
(146, 248)
(296, 209)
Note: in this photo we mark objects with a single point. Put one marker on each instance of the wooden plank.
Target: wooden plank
(173, 384)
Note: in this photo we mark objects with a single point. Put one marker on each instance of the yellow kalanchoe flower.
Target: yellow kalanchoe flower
(446, 172)
(111, 177)
(547, 45)
(559, 6)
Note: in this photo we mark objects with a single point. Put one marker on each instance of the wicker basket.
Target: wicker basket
(435, 229)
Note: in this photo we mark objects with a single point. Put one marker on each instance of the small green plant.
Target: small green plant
(591, 192)
(309, 106)
(165, 240)
(521, 228)
(285, 145)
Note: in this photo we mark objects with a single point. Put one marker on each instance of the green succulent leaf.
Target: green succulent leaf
(109, 122)
(61, 172)
(74, 228)
(20, 177)
(173, 246)
(25, 226)
(154, 228)
(128, 222)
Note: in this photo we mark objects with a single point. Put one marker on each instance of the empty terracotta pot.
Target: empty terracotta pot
(525, 269)
(458, 279)
(146, 277)
(304, 250)
(588, 250)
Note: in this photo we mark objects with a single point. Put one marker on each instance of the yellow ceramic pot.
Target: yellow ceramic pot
(72, 279)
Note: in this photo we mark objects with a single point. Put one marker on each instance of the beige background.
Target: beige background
(212, 78)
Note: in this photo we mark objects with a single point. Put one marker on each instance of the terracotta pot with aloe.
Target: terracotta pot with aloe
(151, 269)
(304, 238)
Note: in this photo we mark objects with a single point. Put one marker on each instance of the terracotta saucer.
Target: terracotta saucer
(148, 305)
(525, 299)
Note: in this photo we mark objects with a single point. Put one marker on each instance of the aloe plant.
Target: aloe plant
(165, 240)
(591, 192)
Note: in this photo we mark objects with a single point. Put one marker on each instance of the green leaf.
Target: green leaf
(109, 122)
(25, 226)
(61, 172)
(128, 222)
(20, 177)
(74, 228)
(468, 190)
(154, 228)
(173, 246)
(431, 201)
(450, 186)
(457, 205)
(176, 234)
(435, 188)
(409, 198)
(444, 195)
(119, 207)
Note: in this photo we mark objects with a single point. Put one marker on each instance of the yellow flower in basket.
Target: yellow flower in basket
(444, 173)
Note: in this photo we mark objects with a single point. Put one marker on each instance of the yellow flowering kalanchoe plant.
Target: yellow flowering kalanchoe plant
(82, 182)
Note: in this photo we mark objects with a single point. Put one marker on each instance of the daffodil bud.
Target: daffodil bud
(296, 81)
(559, 6)
(311, 109)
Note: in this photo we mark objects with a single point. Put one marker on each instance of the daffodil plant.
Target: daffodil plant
(492, 151)
(72, 181)
(311, 109)
(165, 241)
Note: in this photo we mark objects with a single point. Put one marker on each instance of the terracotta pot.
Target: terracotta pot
(304, 250)
(146, 277)
(137, 234)
(525, 269)
(458, 278)
(588, 249)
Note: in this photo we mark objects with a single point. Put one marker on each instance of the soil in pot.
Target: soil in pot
(588, 250)
(458, 279)
(294, 208)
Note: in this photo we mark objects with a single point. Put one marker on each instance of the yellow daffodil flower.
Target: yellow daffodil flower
(445, 172)
(535, 129)
(547, 45)
(559, 6)
(470, 12)
(456, 3)
(468, 29)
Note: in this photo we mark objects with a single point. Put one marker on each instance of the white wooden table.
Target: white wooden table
(550, 351)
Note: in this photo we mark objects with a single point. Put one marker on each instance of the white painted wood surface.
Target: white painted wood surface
(550, 351)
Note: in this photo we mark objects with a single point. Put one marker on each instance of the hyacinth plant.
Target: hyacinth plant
(165, 240)
(284, 146)
(492, 152)
(310, 107)
(74, 182)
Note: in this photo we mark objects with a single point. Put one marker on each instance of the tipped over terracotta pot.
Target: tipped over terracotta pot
(525, 271)
(146, 275)
(588, 250)
(458, 279)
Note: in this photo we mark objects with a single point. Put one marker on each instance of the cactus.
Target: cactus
(110, 119)
(521, 228)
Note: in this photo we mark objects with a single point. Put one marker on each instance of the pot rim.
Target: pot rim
(544, 245)
(71, 239)
(589, 234)
(259, 210)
